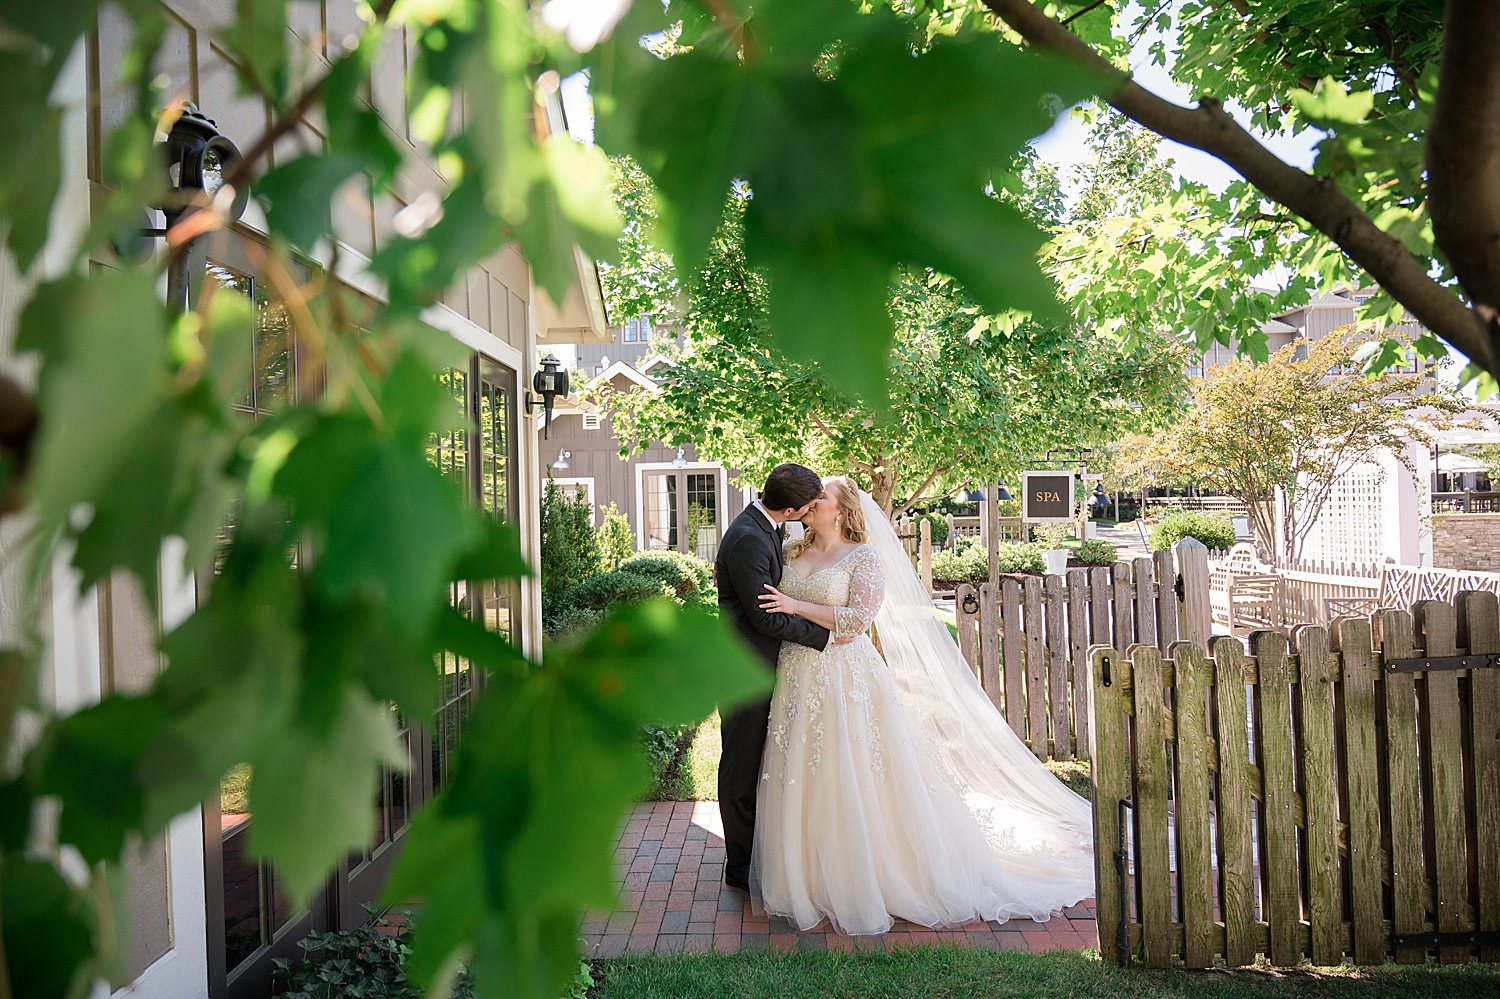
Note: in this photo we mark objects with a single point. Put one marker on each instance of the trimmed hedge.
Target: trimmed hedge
(970, 563)
(1215, 530)
(939, 527)
(684, 578)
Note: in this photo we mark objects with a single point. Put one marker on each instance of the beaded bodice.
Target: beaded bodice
(854, 586)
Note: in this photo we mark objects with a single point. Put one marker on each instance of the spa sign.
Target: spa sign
(1046, 497)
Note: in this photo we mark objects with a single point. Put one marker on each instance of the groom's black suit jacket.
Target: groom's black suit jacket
(749, 558)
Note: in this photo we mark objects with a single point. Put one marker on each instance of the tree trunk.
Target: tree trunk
(883, 486)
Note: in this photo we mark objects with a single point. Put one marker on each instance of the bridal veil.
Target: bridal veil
(1030, 818)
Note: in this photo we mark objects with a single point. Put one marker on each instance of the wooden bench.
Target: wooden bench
(1243, 595)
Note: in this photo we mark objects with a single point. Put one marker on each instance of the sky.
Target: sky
(1064, 144)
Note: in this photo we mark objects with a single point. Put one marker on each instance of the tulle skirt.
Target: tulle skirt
(856, 824)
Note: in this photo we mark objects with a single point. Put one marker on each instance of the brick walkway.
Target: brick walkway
(674, 900)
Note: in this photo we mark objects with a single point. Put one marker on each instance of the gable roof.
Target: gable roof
(622, 369)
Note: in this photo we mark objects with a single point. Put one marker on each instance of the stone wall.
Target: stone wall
(1466, 541)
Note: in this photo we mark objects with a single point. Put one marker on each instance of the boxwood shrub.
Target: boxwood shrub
(1213, 529)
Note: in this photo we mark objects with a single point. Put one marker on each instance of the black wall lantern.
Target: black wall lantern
(549, 383)
(200, 159)
(199, 162)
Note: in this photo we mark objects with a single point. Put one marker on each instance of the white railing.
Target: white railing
(1317, 592)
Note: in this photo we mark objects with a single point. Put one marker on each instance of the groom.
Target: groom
(749, 558)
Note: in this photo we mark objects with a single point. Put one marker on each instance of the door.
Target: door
(682, 511)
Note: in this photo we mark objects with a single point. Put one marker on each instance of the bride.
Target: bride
(890, 785)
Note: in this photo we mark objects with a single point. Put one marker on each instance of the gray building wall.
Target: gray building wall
(595, 455)
(590, 355)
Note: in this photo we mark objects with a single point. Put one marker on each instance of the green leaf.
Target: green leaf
(297, 195)
(15, 815)
(1479, 381)
(441, 865)
(1379, 356)
(549, 763)
(582, 178)
(419, 270)
(29, 176)
(88, 760)
(231, 683)
(393, 535)
(168, 481)
(702, 120)
(102, 341)
(498, 555)
(647, 663)
(313, 795)
(828, 306)
(355, 129)
(467, 638)
(48, 932)
(1330, 105)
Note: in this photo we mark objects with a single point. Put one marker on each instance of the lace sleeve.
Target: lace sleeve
(866, 591)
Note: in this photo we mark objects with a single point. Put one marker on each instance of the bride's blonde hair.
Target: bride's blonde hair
(853, 528)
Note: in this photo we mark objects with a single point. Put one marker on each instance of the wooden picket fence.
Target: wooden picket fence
(1027, 638)
(1339, 802)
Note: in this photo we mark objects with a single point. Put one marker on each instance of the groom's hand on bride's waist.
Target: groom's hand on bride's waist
(845, 640)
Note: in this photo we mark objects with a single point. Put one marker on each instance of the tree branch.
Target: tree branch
(939, 470)
(1317, 199)
(1463, 150)
(1093, 6)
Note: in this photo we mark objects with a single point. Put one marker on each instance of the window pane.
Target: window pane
(494, 449)
(234, 281)
(450, 451)
(274, 364)
(703, 515)
(243, 933)
(401, 784)
(661, 511)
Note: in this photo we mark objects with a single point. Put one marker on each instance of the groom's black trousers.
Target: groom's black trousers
(743, 735)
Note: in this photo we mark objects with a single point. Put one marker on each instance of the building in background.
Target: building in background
(1381, 511)
(673, 498)
(208, 920)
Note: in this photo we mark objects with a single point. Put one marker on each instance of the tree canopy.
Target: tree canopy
(969, 396)
(1402, 194)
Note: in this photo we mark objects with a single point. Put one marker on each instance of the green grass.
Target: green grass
(959, 973)
(234, 790)
(1074, 773)
(694, 774)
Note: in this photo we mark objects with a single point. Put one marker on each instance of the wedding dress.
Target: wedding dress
(891, 786)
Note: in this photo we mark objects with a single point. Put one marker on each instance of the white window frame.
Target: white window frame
(587, 482)
(591, 421)
(720, 497)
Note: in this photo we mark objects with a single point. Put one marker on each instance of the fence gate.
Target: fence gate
(1027, 639)
(1340, 802)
